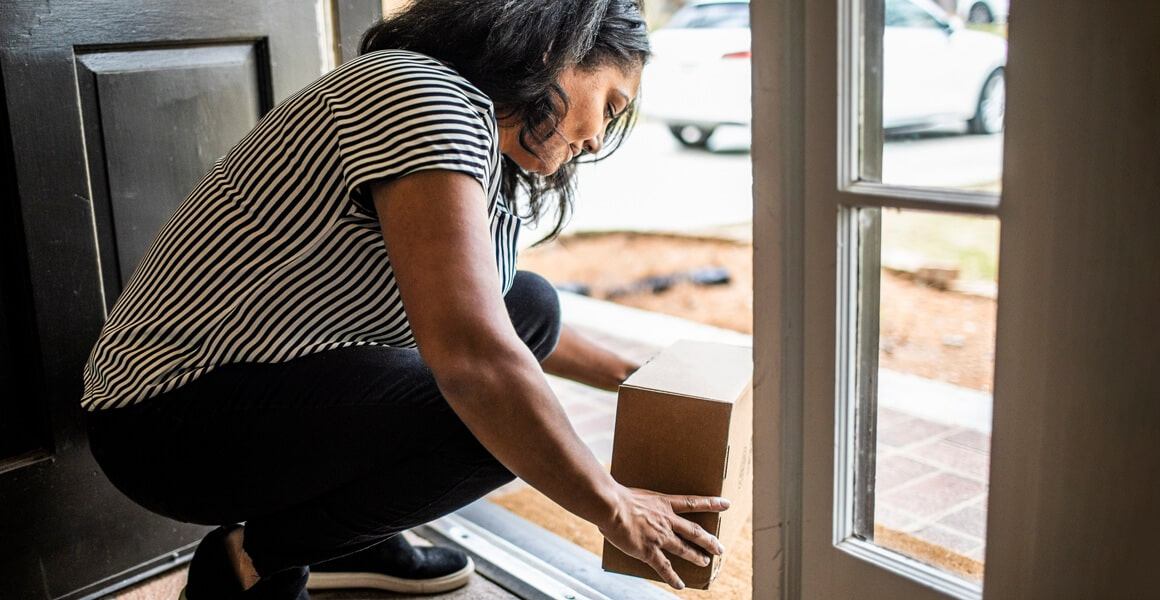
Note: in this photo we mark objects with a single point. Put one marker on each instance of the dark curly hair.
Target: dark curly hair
(514, 51)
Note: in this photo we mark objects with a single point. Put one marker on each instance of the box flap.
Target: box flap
(681, 369)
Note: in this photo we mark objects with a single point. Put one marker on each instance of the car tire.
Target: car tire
(991, 108)
(691, 136)
(980, 13)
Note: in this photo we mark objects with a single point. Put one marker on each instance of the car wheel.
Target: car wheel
(992, 106)
(691, 136)
(980, 13)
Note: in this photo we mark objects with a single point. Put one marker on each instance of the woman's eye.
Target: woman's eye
(610, 111)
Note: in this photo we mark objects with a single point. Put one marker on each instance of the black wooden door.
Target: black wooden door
(113, 110)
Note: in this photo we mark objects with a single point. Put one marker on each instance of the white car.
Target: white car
(698, 77)
(935, 72)
(983, 11)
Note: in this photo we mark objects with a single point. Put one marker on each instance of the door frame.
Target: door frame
(1073, 492)
(778, 34)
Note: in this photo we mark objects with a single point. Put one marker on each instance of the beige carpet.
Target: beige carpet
(733, 583)
(929, 553)
(735, 580)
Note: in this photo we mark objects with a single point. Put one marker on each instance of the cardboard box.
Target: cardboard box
(684, 424)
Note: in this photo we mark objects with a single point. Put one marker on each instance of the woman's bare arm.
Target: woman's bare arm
(581, 359)
(436, 229)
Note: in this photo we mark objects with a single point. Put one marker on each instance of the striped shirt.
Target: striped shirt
(277, 252)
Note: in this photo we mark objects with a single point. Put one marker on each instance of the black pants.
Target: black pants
(320, 456)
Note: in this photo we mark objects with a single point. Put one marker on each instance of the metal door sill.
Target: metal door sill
(531, 562)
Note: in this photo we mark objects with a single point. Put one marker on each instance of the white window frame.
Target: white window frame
(808, 192)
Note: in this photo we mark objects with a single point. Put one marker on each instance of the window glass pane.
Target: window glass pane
(935, 364)
(943, 96)
(702, 16)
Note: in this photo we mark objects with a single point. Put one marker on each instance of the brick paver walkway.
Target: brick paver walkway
(932, 481)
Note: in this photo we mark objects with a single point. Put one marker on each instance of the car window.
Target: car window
(711, 16)
(903, 13)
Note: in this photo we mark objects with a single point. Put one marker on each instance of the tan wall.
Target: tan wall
(390, 6)
(1076, 444)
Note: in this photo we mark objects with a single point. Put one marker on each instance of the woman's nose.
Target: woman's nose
(593, 145)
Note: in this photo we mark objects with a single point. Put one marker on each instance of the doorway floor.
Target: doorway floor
(926, 460)
(168, 586)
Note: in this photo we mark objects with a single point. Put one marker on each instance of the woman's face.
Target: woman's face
(596, 96)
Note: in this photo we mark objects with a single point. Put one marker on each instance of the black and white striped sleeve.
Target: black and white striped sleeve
(399, 115)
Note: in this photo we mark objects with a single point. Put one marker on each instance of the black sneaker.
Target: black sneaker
(212, 576)
(395, 565)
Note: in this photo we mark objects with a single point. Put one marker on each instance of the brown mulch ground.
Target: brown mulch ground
(608, 261)
(942, 335)
(936, 334)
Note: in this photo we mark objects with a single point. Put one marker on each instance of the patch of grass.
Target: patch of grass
(999, 29)
(969, 242)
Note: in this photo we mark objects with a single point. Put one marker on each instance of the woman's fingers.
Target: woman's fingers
(679, 546)
(661, 564)
(691, 504)
(653, 531)
(697, 535)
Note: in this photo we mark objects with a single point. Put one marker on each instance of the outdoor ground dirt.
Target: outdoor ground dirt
(935, 334)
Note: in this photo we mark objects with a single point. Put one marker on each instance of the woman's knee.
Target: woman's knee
(534, 306)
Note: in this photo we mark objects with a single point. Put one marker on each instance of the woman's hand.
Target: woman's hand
(647, 523)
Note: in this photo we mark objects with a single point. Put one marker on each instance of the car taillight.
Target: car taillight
(742, 54)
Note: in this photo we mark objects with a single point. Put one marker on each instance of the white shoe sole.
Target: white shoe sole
(378, 581)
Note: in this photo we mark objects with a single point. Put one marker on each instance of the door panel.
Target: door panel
(115, 110)
(22, 432)
(207, 97)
